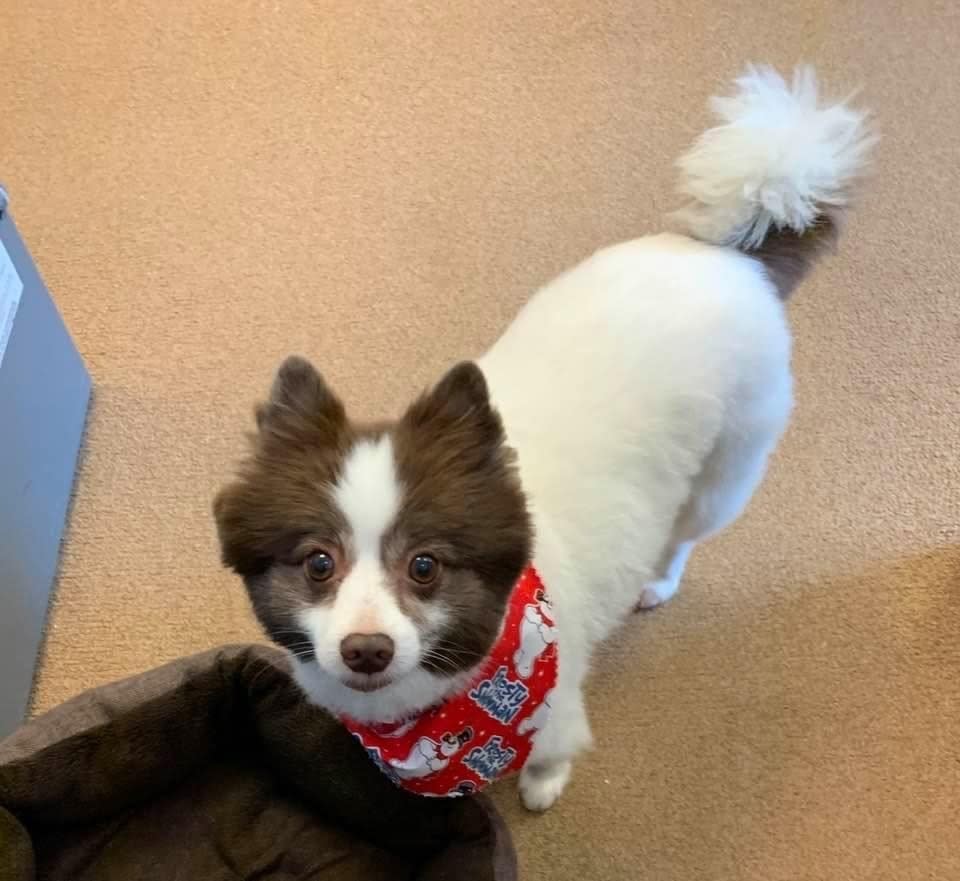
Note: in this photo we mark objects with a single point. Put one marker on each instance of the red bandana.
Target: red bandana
(471, 739)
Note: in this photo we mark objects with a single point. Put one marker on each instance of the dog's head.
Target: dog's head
(383, 552)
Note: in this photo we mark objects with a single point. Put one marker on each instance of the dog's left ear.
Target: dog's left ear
(459, 402)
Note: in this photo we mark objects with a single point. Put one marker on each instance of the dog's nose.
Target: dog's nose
(366, 652)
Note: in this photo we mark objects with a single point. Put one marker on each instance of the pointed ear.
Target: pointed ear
(462, 391)
(460, 399)
(299, 398)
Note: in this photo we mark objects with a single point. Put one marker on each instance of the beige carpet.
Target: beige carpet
(209, 186)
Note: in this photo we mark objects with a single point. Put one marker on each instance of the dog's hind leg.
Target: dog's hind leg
(730, 476)
(671, 571)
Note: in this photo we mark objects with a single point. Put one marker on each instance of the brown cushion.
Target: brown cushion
(214, 767)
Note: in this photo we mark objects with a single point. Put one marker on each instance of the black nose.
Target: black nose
(367, 652)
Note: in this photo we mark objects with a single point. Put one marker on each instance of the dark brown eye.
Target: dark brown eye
(424, 569)
(319, 566)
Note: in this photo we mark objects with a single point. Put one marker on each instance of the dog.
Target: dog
(625, 415)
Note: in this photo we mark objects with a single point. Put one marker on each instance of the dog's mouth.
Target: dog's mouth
(367, 683)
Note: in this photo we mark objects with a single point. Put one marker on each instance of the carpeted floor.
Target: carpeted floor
(210, 186)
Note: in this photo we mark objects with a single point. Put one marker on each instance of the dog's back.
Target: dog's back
(617, 383)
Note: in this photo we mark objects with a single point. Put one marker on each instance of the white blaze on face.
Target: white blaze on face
(368, 494)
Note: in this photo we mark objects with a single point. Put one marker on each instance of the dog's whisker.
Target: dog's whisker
(266, 666)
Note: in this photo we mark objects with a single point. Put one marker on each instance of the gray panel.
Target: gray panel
(44, 391)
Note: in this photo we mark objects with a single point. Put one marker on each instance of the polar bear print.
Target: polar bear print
(535, 636)
(429, 756)
(538, 718)
(424, 759)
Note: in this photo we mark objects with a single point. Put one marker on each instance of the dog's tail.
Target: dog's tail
(773, 178)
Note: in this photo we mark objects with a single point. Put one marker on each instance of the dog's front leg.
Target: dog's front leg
(566, 733)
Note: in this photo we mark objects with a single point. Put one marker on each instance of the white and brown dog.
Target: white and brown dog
(625, 415)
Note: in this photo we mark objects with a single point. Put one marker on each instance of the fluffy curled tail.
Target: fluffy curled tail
(772, 179)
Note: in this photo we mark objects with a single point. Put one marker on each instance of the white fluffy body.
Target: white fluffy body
(643, 392)
(645, 389)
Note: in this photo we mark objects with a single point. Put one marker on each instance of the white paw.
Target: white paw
(541, 785)
(657, 592)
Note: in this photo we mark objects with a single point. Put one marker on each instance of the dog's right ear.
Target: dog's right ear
(300, 399)
(299, 426)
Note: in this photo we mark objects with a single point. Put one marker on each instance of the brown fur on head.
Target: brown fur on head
(310, 485)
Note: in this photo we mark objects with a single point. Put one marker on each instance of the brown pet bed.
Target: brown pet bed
(213, 768)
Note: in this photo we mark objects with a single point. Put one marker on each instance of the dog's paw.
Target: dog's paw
(541, 785)
(655, 593)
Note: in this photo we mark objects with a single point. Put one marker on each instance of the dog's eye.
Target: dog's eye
(319, 566)
(424, 569)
